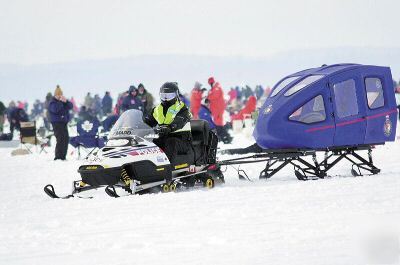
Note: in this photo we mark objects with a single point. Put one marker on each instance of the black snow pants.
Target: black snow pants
(62, 137)
(173, 146)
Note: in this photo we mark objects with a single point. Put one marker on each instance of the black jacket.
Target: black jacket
(180, 120)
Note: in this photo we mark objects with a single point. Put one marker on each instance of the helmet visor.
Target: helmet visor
(167, 96)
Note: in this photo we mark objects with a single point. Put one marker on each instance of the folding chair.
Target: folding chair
(88, 137)
(28, 136)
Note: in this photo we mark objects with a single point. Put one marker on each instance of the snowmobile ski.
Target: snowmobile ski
(110, 190)
(49, 190)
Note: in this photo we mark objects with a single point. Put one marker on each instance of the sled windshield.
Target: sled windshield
(130, 124)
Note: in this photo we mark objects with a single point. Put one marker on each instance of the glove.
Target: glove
(162, 130)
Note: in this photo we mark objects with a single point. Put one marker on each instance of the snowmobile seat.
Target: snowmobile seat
(201, 140)
(200, 131)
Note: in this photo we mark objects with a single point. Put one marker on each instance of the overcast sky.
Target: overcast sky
(47, 31)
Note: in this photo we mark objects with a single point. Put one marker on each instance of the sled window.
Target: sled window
(302, 84)
(283, 84)
(373, 86)
(311, 112)
(346, 98)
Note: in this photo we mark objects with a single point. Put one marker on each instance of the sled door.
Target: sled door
(348, 100)
(381, 114)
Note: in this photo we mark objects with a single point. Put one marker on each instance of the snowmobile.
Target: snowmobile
(132, 164)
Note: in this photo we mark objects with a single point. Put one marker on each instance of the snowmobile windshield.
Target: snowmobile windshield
(129, 125)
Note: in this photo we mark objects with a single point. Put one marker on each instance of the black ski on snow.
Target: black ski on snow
(110, 190)
(49, 190)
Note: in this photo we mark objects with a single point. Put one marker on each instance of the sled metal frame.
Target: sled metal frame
(277, 159)
(350, 154)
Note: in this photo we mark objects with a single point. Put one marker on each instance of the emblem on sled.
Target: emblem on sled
(268, 109)
(387, 127)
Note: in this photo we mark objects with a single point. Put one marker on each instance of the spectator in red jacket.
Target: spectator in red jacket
(249, 108)
(195, 100)
(217, 101)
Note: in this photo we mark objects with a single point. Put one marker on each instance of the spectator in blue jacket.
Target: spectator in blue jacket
(205, 114)
(59, 108)
(132, 101)
(15, 116)
(109, 122)
(222, 131)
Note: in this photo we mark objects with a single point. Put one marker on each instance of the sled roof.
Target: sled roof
(328, 69)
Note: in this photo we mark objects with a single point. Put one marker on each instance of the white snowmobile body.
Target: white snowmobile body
(130, 156)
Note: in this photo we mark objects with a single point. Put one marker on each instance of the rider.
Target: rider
(171, 121)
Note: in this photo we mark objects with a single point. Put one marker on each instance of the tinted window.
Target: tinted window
(303, 83)
(374, 90)
(283, 84)
(346, 98)
(311, 112)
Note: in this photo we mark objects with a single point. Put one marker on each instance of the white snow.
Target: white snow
(279, 221)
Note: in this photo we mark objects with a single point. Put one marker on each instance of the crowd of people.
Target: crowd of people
(208, 102)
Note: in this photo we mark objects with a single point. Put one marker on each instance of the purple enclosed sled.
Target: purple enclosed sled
(330, 106)
(343, 110)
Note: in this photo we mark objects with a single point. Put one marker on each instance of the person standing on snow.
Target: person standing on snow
(15, 115)
(74, 106)
(2, 112)
(259, 91)
(205, 114)
(88, 100)
(132, 101)
(217, 102)
(59, 108)
(145, 97)
(96, 105)
(232, 95)
(195, 100)
(221, 131)
(46, 111)
(106, 104)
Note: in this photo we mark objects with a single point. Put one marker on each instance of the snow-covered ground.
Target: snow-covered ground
(338, 220)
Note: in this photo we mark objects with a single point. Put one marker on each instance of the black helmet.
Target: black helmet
(169, 92)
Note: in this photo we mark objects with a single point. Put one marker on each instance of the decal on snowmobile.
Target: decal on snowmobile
(120, 153)
(133, 152)
(91, 167)
(181, 166)
(122, 132)
(146, 151)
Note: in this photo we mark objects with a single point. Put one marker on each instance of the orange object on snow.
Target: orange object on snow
(195, 102)
(217, 103)
(249, 108)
